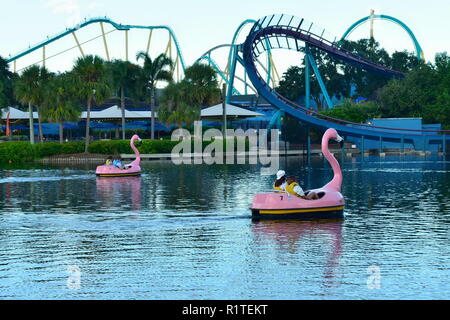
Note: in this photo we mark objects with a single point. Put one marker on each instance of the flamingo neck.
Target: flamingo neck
(336, 182)
(136, 152)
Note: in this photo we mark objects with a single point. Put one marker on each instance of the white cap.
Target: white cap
(280, 174)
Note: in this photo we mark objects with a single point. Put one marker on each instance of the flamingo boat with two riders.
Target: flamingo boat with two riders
(131, 169)
(279, 205)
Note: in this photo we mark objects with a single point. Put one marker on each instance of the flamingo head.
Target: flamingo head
(136, 138)
(332, 134)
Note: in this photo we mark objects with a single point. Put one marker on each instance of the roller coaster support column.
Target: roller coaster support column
(232, 71)
(307, 85)
(311, 60)
(381, 147)
(403, 146)
(308, 146)
(224, 110)
(78, 44)
(43, 56)
(104, 41)
(149, 40)
(362, 147)
(443, 145)
(126, 45)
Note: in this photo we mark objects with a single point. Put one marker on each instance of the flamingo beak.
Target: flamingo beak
(339, 138)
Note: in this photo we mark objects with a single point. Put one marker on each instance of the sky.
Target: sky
(202, 24)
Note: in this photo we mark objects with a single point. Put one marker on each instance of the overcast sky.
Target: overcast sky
(202, 24)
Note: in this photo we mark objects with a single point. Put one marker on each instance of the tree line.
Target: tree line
(60, 97)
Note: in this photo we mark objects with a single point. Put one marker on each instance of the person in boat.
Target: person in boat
(294, 188)
(280, 183)
(291, 186)
(118, 163)
(109, 161)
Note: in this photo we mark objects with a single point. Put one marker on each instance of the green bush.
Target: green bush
(16, 152)
(23, 151)
(47, 149)
(110, 147)
(157, 146)
(72, 147)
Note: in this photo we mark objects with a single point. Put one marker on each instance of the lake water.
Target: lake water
(185, 232)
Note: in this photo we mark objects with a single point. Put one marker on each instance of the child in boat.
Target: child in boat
(294, 188)
(290, 185)
(109, 161)
(118, 163)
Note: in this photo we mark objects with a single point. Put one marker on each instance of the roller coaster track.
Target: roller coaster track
(117, 26)
(418, 48)
(288, 32)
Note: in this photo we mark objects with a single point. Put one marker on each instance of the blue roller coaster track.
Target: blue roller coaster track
(289, 32)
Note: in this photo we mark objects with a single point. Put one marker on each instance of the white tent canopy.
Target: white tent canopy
(232, 111)
(114, 112)
(16, 114)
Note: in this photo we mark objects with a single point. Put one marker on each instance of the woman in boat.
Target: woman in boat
(280, 183)
(291, 186)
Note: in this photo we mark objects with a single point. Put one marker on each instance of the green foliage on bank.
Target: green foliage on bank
(354, 112)
(24, 151)
(16, 152)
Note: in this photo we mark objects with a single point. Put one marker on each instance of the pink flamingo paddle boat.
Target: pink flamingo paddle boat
(131, 169)
(280, 204)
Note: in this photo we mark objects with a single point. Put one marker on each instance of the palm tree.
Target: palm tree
(44, 76)
(204, 85)
(29, 89)
(177, 105)
(181, 102)
(26, 90)
(59, 102)
(152, 72)
(124, 77)
(92, 84)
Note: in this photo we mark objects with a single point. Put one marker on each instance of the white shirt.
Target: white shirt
(297, 189)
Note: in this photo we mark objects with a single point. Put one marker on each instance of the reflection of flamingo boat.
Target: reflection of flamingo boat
(110, 189)
(132, 169)
(276, 205)
(293, 235)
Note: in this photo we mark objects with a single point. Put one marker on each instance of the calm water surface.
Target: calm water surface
(185, 232)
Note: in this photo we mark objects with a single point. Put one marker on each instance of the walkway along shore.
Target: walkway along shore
(100, 158)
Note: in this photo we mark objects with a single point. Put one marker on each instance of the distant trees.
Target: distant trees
(424, 92)
(90, 79)
(153, 71)
(181, 102)
(7, 79)
(341, 78)
(124, 77)
(60, 102)
(29, 89)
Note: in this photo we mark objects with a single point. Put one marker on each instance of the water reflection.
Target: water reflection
(293, 236)
(112, 191)
(185, 232)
